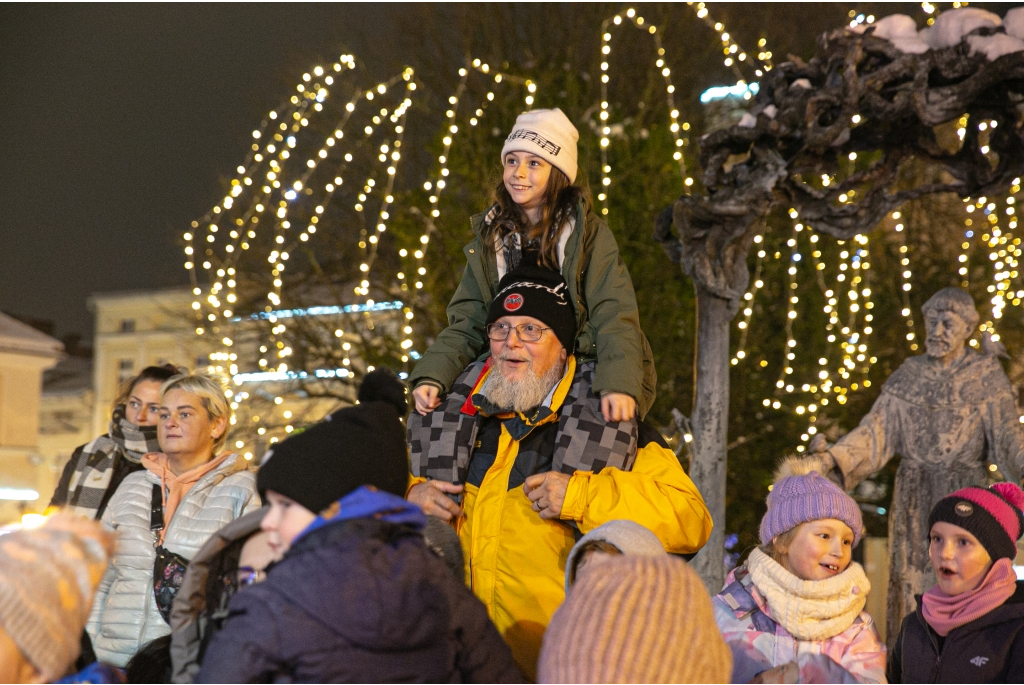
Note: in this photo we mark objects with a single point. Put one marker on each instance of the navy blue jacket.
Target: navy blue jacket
(989, 649)
(358, 600)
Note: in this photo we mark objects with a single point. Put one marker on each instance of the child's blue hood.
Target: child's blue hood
(369, 502)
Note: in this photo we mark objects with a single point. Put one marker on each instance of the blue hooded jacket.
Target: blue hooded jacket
(359, 598)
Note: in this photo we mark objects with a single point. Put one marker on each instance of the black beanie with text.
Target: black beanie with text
(539, 293)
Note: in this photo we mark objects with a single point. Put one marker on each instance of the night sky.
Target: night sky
(119, 121)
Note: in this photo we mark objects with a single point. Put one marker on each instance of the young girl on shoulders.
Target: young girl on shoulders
(539, 217)
(969, 628)
(794, 612)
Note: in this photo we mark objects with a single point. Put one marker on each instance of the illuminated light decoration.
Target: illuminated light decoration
(905, 278)
(748, 302)
(783, 384)
(964, 258)
(398, 117)
(604, 125)
(327, 311)
(734, 54)
(18, 494)
(437, 186)
(740, 90)
(1004, 251)
(272, 376)
(242, 230)
(271, 199)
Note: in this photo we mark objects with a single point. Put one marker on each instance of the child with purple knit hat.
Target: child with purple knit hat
(969, 628)
(794, 612)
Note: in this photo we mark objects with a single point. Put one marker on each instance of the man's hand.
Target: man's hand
(431, 498)
(426, 398)
(617, 406)
(547, 492)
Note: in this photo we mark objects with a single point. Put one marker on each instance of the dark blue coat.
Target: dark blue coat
(989, 649)
(358, 600)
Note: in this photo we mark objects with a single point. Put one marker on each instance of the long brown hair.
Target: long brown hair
(560, 201)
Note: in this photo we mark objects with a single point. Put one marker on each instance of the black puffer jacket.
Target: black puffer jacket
(989, 649)
(358, 601)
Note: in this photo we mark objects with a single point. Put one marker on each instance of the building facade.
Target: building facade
(25, 354)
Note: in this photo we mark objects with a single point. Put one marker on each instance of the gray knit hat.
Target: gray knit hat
(47, 579)
(628, 537)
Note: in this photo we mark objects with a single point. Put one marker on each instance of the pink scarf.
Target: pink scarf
(176, 487)
(944, 613)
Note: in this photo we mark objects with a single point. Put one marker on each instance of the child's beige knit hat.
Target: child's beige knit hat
(636, 619)
(549, 134)
(48, 576)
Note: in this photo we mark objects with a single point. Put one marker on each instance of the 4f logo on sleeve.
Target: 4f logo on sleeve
(979, 661)
(513, 302)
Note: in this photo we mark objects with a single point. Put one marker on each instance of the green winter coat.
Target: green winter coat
(606, 312)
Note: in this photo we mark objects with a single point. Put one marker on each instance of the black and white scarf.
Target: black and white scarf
(441, 443)
(95, 465)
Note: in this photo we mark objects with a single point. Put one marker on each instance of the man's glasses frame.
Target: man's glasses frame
(527, 332)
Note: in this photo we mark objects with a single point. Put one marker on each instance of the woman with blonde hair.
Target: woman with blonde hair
(165, 513)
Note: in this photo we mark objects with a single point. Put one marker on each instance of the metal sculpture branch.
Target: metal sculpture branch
(858, 94)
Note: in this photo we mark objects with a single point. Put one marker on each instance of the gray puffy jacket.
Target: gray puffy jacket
(124, 614)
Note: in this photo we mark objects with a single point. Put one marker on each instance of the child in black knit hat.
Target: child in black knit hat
(357, 596)
(969, 628)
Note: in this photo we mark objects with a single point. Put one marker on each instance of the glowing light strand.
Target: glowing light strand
(734, 54)
(679, 138)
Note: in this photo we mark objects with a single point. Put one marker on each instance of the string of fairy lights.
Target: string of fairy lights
(260, 195)
(680, 137)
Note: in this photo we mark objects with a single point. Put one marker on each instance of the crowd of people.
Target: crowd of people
(523, 523)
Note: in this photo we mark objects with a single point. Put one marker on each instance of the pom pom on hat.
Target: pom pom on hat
(382, 385)
(549, 134)
(1011, 492)
(801, 494)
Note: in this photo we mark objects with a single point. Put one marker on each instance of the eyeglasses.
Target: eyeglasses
(527, 332)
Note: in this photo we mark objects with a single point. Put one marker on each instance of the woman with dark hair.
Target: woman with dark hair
(95, 469)
(540, 218)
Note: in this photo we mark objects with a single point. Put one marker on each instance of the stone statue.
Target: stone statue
(945, 413)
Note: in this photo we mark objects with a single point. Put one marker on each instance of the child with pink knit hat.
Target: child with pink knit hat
(794, 612)
(969, 628)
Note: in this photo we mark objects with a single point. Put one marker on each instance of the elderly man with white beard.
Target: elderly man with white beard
(521, 461)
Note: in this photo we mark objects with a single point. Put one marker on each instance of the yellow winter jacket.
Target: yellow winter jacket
(515, 561)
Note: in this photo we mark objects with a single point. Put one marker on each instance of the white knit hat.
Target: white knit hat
(549, 134)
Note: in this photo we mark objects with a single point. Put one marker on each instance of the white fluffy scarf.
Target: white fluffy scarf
(810, 609)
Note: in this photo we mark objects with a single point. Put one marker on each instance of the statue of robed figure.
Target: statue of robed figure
(947, 414)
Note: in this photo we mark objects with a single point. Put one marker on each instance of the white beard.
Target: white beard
(522, 395)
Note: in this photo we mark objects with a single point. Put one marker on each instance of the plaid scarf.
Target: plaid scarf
(441, 443)
(95, 465)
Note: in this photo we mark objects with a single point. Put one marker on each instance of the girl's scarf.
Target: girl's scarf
(176, 487)
(94, 467)
(810, 609)
(509, 249)
(944, 613)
